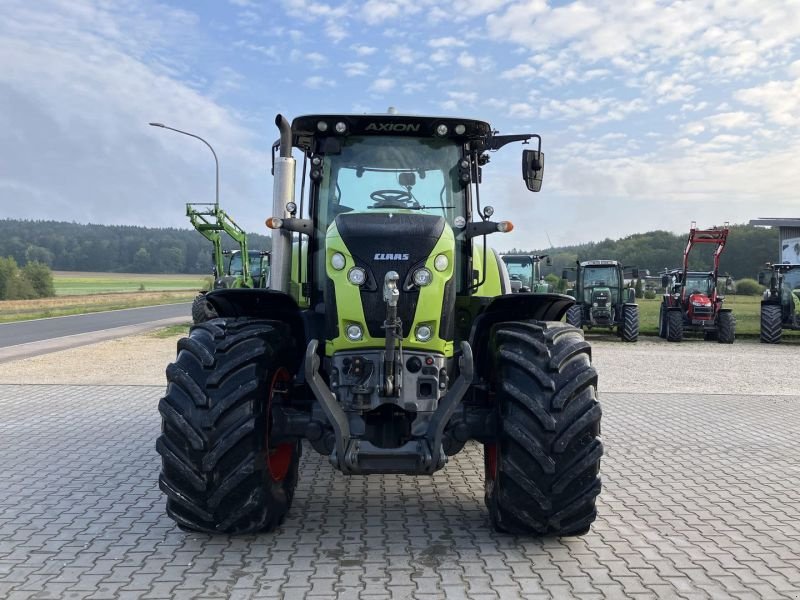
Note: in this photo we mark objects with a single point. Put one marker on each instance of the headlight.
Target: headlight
(594, 304)
(338, 261)
(354, 333)
(422, 277)
(441, 262)
(424, 333)
(357, 276)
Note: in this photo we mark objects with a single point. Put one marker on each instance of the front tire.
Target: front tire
(202, 310)
(726, 327)
(542, 474)
(662, 322)
(771, 324)
(575, 315)
(219, 471)
(630, 322)
(674, 326)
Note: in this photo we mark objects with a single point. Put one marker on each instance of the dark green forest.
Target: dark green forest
(128, 249)
(747, 250)
(111, 248)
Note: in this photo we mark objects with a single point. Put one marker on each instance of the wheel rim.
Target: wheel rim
(279, 458)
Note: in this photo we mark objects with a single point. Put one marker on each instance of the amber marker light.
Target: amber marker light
(274, 223)
(505, 226)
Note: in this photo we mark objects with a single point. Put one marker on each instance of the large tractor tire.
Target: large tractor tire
(726, 327)
(575, 316)
(630, 323)
(674, 326)
(542, 474)
(771, 324)
(219, 471)
(202, 310)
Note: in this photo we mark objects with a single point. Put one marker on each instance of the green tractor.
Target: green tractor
(388, 340)
(525, 272)
(212, 222)
(601, 298)
(780, 307)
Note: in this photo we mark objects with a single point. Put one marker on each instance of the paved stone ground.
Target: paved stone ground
(701, 500)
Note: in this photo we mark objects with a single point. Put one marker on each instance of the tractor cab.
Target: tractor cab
(525, 272)
(259, 266)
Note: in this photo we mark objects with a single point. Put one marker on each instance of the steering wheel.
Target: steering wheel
(391, 198)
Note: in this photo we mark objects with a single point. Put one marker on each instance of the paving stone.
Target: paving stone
(696, 504)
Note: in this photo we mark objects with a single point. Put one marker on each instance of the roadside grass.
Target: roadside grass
(171, 331)
(73, 283)
(21, 310)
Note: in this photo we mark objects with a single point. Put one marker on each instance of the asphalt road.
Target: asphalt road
(25, 332)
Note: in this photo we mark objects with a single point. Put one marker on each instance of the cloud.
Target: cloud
(362, 50)
(382, 85)
(779, 99)
(317, 82)
(353, 69)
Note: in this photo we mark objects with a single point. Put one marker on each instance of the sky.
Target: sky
(653, 114)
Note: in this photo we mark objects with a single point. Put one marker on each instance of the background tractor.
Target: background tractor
(780, 307)
(691, 301)
(525, 272)
(388, 339)
(601, 298)
(212, 222)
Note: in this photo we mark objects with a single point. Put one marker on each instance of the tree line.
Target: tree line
(747, 249)
(111, 248)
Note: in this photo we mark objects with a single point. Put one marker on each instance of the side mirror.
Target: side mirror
(634, 273)
(533, 169)
(664, 281)
(728, 284)
(762, 278)
(565, 274)
(549, 262)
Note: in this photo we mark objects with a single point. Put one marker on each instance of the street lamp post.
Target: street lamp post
(216, 162)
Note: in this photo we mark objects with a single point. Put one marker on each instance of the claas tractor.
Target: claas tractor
(388, 340)
(211, 221)
(525, 272)
(602, 299)
(691, 301)
(780, 307)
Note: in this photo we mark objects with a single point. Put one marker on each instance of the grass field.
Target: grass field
(74, 283)
(746, 309)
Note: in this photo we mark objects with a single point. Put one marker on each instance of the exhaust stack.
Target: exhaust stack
(282, 193)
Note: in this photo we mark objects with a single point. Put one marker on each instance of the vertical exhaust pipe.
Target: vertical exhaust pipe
(282, 193)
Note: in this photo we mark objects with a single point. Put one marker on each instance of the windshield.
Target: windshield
(520, 269)
(606, 277)
(699, 284)
(235, 266)
(390, 173)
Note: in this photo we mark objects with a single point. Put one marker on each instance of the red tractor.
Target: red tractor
(691, 302)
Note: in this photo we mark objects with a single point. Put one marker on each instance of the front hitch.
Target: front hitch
(393, 327)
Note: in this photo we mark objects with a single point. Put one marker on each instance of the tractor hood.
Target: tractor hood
(700, 300)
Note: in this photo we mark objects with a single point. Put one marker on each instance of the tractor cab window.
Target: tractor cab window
(791, 279)
(520, 270)
(600, 277)
(391, 173)
(235, 265)
(699, 285)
